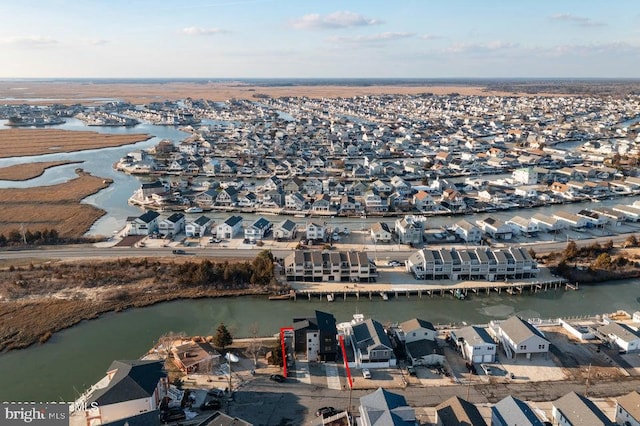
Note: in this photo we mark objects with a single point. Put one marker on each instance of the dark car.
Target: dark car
(326, 411)
(173, 415)
(212, 404)
(178, 251)
(278, 378)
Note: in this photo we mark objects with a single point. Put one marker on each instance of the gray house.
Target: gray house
(519, 337)
(513, 411)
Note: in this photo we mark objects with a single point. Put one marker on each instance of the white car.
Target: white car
(366, 373)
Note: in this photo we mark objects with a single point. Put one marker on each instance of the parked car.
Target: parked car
(326, 411)
(366, 373)
(278, 378)
(212, 404)
(393, 263)
(179, 251)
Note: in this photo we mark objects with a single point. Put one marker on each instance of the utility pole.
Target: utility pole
(586, 387)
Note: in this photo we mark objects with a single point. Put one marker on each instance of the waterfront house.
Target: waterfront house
(467, 231)
(329, 266)
(371, 345)
(228, 229)
(456, 411)
(257, 230)
(129, 389)
(173, 225)
(519, 337)
(384, 408)
(294, 201)
(628, 409)
(145, 224)
(380, 233)
(573, 409)
(227, 196)
(474, 344)
(285, 230)
(525, 176)
(511, 411)
(206, 198)
(548, 223)
(631, 214)
(521, 225)
(417, 329)
(625, 338)
(419, 338)
(571, 220)
(612, 217)
(321, 204)
(423, 201)
(315, 231)
(526, 191)
(495, 228)
(374, 203)
(195, 357)
(410, 229)
(593, 219)
(198, 227)
(315, 337)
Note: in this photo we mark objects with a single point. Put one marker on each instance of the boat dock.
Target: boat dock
(331, 291)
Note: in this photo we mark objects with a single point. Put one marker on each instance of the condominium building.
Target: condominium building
(330, 266)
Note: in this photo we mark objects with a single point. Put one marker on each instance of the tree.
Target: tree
(223, 338)
(631, 241)
(603, 261)
(571, 251)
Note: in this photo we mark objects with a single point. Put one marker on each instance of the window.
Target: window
(540, 346)
(523, 347)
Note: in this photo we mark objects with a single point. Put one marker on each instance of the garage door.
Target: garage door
(488, 358)
(477, 358)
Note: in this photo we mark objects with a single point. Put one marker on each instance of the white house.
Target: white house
(315, 231)
(257, 230)
(229, 228)
(628, 409)
(525, 176)
(526, 191)
(145, 224)
(198, 227)
(130, 388)
(475, 344)
(574, 409)
(548, 223)
(625, 337)
(521, 225)
(285, 230)
(371, 345)
(417, 329)
(467, 231)
(496, 228)
(519, 337)
(410, 229)
(572, 220)
(380, 232)
(173, 225)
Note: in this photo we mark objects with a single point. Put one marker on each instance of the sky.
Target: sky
(320, 39)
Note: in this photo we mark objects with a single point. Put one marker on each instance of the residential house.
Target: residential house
(380, 233)
(173, 225)
(228, 229)
(195, 357)
(258, 230)
(130, 388)
(467, 231)
(571, 220)
(349, 205)
(384, 408)
(321, 203)
(626, 338)
(525, 176)
(576, 410)
(145, 224)
(548, 223)
(423, 201)
(475, 344)
(315, 337)
(206, 198)
(526, 191)
(495, 228)
(628, 409)
(220, 419)
(511, 411)
(374, 203)
(315, 231)
(417, 329)
(593, 219)
(419, 337)
(521, 225)
(294, 201)
(371, 345)
(410, 229)
(198, 227)
(456, 411)
(285, 230)
(247, 200)
(519, 337)
(227, 196)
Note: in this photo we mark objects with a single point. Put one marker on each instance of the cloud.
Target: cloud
(579, 20)
(430, 37)
(585, 50)
(99, 42)
(340, 19)
(373, 38)
(481, 47)
(196, 31)
(28, 41)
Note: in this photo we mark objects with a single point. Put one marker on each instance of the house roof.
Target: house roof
(473, 335)
(423, 347)
(622, 331)
(221, 419)
(233, 220)
(384, 408)
(456, 411)
(519, 330)
(370, 333)
(416, 323)
(287, 225)
(149, 216)
(579, 410)
(150, 418)
(132, 380)
(513, 411)
(631, 404)
(202, 220)
(261, 223)
(174, 218)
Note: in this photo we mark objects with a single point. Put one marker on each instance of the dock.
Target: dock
(331, 291)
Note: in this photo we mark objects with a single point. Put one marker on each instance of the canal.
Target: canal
(77, 357)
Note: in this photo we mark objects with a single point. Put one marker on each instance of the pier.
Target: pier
(320, 291)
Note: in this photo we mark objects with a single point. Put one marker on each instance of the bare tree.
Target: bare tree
(255, 344)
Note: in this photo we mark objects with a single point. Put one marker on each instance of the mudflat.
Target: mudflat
(28, 171)
(21, 142)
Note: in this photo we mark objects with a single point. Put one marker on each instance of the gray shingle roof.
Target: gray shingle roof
(132, 380)
(384, 408)
(456, 411)
(519, 330)
(513, 411)
(579, 410)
